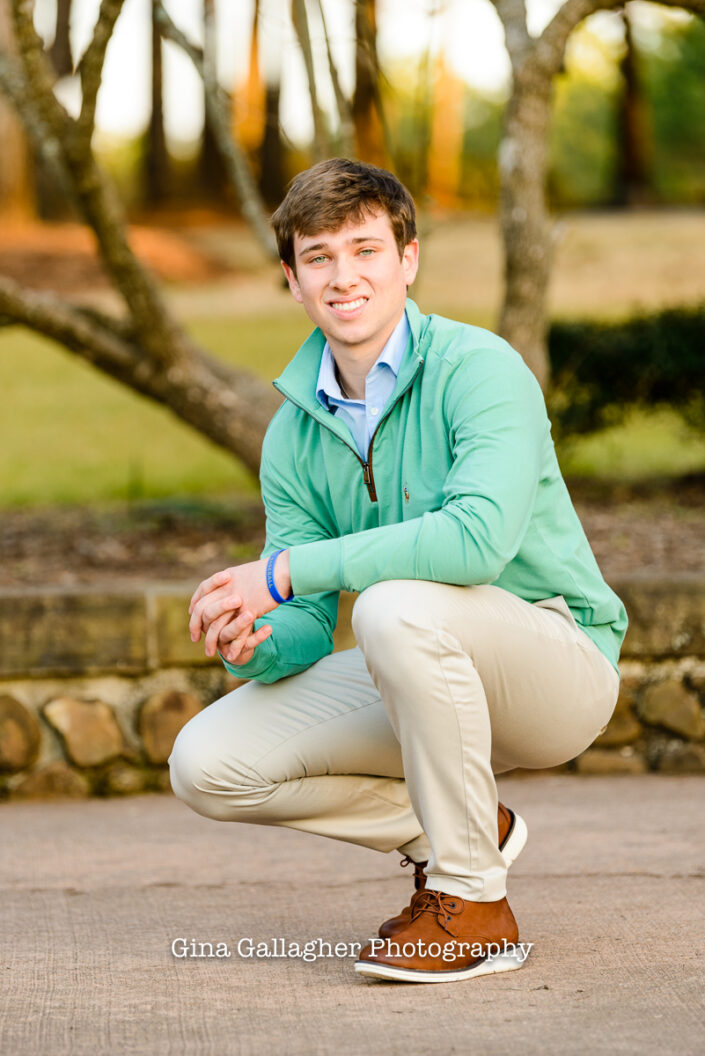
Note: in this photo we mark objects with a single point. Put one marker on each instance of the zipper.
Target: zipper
(368, 478)
(367, 475)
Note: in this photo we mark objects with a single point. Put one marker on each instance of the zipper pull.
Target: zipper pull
(366, 475)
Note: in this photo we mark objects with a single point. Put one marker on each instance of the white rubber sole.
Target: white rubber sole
(516, 841)
(504, 962)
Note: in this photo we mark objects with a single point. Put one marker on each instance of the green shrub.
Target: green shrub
(600, 368)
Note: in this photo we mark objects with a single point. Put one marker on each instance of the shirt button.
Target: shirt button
(374, 410)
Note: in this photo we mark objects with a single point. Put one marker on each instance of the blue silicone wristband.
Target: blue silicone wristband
(270, 580)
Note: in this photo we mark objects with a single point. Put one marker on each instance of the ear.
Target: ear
(410, 261)
(293, 284)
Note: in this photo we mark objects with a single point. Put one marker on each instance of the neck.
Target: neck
(352, 382)
(352, 365)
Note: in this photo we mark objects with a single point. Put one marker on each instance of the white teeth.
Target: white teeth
(348, 306)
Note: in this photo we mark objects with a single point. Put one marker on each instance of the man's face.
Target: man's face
(352, 283)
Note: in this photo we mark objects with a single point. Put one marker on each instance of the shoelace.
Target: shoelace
(419, 875)
(443, 906)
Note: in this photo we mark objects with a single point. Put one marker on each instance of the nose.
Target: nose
(345, 275)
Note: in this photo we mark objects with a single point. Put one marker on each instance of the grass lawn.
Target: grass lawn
(72, 435)
(648, 444)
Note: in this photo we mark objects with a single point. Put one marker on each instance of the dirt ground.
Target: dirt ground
(657, 528)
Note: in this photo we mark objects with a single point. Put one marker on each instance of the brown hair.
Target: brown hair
(335, 192)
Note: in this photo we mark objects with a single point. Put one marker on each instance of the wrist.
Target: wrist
(282, 574)
(278, 578)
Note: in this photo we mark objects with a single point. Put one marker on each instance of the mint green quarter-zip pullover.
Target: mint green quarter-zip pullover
(461, 485)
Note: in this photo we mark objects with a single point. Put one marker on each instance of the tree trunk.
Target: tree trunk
(369, 132)
(156, 161)
(299, 17)
(16, 198)
(522, 168)
(631, 177)
(524, 220)
(212, 177)
(272, 181)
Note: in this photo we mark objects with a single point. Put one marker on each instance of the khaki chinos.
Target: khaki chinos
(395, 744)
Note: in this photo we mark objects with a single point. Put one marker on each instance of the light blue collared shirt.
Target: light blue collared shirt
(362, 416)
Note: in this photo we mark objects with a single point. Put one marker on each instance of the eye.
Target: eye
(317, 260)
(366, 251)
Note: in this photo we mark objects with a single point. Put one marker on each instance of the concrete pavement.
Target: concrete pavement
(610, 889)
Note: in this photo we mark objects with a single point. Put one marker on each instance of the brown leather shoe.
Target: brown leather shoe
(512, 837)
(447, 939)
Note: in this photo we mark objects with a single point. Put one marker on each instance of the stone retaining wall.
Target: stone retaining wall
(94, 686)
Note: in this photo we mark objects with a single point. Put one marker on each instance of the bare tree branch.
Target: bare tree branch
(146, 349)
(39, 75)
(512, 14)
(90, 67)
(218, 108)
(97, 199)
(550, 47)
(60, 52)
(229, 406)
(49, 315)
(45, 143)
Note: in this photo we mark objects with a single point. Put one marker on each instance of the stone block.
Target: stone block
(671, 705)
(89, 731)
(697, 680)
(604, 761)
(122, 779)
(55, 632)
(682, 758)
(20, 735)
(666, 615)
(161, 782)
(174, 647)
(161, 718)
(622, 728)
(53, 781)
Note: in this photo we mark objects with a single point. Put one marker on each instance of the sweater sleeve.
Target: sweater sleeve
(497, 427)
(302, 630)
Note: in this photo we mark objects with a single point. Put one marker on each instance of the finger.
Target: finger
(218, 579)
(241, 650)
(213, 610)
(211, 642)
(209, 608)
(253, 640)
(242, 624)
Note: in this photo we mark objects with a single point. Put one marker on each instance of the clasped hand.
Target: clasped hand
(225, 606)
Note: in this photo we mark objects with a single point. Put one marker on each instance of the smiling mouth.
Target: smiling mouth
(348, 306)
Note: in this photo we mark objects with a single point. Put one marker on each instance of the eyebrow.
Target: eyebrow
(324, 245)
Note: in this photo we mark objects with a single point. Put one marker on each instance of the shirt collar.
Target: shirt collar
(391, 356)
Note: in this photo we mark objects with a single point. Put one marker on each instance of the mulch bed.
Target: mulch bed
(62, 257)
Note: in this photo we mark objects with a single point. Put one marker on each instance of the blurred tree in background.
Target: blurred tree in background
(628, 120)
(673, 63)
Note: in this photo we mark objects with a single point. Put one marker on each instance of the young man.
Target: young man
(411, 461)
